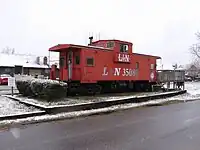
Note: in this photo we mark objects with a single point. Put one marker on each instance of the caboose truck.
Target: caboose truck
(104, 66)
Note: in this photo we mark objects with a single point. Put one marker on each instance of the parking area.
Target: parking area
(4, 89)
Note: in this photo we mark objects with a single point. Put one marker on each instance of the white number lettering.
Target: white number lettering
(128, 72)
(117, 71)
(132, 72)
(124, 72)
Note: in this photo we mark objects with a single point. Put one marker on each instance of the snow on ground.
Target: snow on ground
(193, 88)
(108, 97)
(10, 107)
(85, 99)
(193, 92)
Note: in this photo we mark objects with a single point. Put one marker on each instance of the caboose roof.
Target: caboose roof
(158, 57)
(119, 41)
(61, 47)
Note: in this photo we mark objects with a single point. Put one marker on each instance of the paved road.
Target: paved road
(7, 90)
(5, 87)
(172, 127)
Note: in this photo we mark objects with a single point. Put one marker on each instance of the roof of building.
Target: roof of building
(193, 67)
(29, 61)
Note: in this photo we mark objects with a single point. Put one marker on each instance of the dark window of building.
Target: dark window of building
(77, 60)
(110, 45)
(137, 65)
(90, 62)
(18, 69)
(62, 62)
(123, 47)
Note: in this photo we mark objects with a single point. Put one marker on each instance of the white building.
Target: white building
(23, 64)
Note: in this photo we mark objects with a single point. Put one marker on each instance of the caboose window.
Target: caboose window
(62, 60)
(110, 45)
(152, 66)
(90, 61)
(137, 65)
(123, 47)
(77, 60)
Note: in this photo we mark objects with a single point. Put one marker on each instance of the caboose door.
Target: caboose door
(89, 69)
(69, 64)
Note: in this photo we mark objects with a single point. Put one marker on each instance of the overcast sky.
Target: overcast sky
(164, 28)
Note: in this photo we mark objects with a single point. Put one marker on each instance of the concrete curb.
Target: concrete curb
(22, 115)
(96, 105)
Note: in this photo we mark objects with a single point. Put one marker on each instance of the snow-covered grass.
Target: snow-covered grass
(193, 93)
(85, 99)
(193, 88)
(11, 107)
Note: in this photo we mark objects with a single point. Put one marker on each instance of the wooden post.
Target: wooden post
(173, 85)
(12, 90)
(168, 85)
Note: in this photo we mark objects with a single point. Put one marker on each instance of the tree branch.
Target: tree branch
(195, 50)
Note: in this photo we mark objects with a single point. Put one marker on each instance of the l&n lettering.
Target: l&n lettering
(123, 57)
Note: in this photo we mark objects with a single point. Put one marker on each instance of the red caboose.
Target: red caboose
(105, 65)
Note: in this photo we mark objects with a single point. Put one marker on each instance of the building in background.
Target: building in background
(24, 64)
(193, 71)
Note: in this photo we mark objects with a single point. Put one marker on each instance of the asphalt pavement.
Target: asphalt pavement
(171, 127)
(4, 89)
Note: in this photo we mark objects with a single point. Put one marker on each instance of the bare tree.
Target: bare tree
(195, 48)
(195, 63)
(8, 50)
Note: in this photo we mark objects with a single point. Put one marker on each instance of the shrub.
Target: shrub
(42, 88)
(24, 87)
